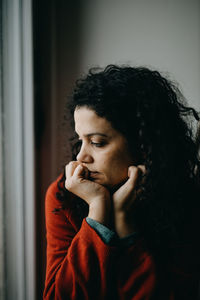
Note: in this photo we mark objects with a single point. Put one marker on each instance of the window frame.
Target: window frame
(17, 155)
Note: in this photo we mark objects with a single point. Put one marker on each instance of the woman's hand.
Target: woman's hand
(96, 195)
(123, 200)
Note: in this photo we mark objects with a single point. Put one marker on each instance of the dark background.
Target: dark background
(57, 45)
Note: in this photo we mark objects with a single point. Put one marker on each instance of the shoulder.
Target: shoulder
(58, 213)
(52, 202)
(70, 207)
(53, 187)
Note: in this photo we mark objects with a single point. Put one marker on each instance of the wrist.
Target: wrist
(124, 224)
(99, 210)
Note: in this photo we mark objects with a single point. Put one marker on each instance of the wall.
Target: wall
(56, 66)
(164, 34)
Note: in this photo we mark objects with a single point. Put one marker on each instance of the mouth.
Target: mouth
(93, 174)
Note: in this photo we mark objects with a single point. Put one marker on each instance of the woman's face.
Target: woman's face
(104, 151)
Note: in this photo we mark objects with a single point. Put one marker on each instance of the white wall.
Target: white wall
(163, 34)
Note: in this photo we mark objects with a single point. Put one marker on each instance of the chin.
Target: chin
(116, 186)
(111, 186)
(102, 182)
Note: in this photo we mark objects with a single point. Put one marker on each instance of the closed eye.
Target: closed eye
(101, 144)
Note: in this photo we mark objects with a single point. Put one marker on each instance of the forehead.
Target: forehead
(87, 121)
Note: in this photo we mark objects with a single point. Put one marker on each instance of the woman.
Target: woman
(122, 220)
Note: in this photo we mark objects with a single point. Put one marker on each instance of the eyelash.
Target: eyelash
(98, 145)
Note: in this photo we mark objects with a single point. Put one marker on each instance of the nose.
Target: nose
(84, 156)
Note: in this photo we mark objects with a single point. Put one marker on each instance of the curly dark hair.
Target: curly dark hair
(151, 112)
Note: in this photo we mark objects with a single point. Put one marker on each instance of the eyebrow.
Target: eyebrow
(95, 133)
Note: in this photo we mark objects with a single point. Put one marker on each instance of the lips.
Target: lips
(93, 174)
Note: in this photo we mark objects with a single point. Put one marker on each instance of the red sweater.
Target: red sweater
(81, 266)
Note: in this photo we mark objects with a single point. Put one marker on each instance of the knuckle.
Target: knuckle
(70, 166)
(67, 166)
(71, 163)
(135, 171)
(68, 184)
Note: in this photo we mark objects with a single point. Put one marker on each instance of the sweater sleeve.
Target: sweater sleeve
(110, 237)
(70, 255)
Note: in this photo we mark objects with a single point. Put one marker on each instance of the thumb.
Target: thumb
(134, 174)
(127, 188)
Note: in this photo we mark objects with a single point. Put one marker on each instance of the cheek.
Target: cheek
(115, 167)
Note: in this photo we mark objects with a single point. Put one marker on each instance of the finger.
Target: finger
(128, 187)
(69, 168)
(138, 190)
(133, 173)
(142, 168)
(131, 191)
(86, 173)
(81, 171)
(128, 190)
